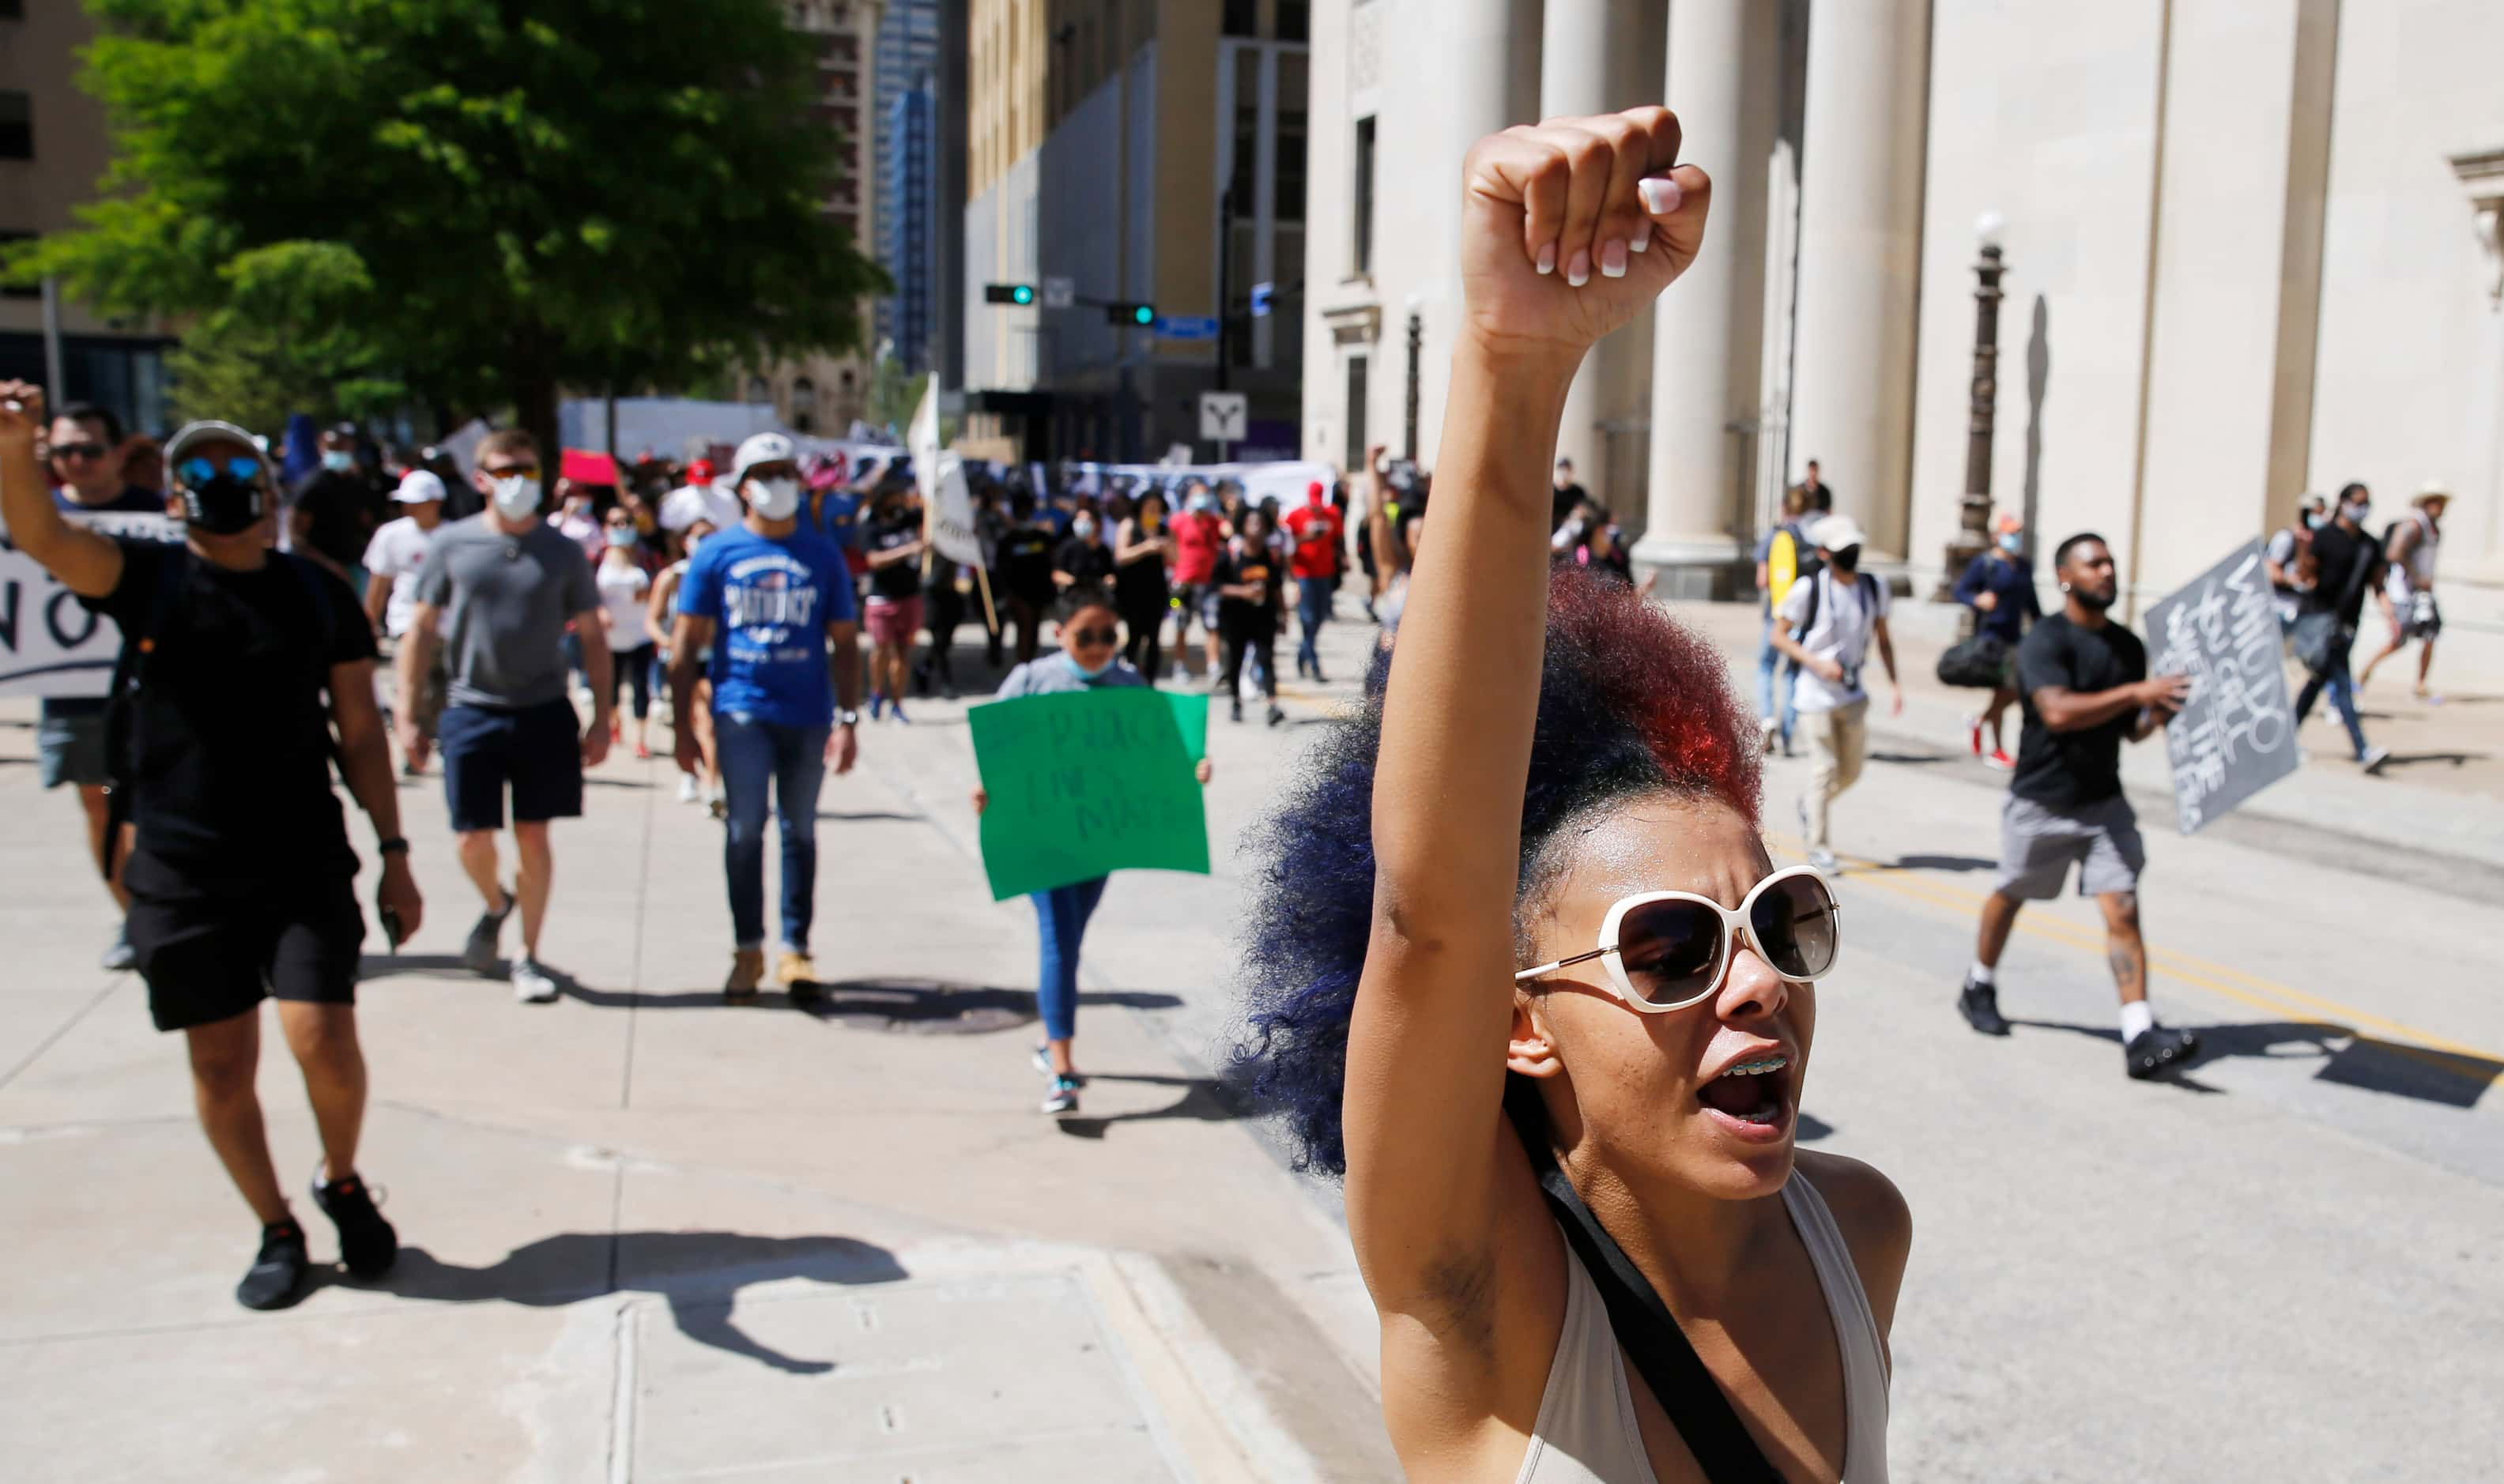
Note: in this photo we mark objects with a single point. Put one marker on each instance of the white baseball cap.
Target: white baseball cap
(418, 487)
(1836, 532)
(760, 448)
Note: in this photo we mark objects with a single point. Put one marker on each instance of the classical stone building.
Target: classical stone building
(2251, 250)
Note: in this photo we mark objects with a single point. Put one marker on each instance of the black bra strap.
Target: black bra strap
(1650, 1335)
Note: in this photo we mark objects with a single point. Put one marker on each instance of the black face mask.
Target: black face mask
(222, 506)
(1848, 559)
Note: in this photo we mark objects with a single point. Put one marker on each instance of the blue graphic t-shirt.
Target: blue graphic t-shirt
(770, 601)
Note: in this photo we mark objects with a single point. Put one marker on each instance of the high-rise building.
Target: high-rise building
(54, 149)
(1147, 151)
(822, 394)
(908, 59)
(905, 225)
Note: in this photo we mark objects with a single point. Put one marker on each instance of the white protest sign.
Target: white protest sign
(947, 503)
(50, 644)
(2236, 734)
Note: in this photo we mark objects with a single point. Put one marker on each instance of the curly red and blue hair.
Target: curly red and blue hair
(1630, 703)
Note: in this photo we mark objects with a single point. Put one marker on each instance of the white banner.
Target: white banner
(947, 503)
(50, 644)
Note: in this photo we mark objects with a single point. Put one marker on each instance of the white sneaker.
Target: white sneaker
(2375, 758)
(689, 790)
(532, 984)
(1820, 857)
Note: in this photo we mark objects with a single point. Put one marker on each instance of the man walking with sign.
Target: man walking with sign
(244, 673)
(1089, 660)
(783, 598)
(2082, 687)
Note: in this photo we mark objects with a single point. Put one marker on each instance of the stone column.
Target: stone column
(1464, 68)
(1708, 329)
(1860, 268)
(1599, 56)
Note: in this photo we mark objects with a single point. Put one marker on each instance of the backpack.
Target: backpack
(130, 667)
(1864, 583)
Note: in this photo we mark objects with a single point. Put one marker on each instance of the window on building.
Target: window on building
(759, 390)
(1364, 195)
(1295, 20)
(12, 10)
(17, 126)
(1242, 17)
(1292, 101)
(1354, 413)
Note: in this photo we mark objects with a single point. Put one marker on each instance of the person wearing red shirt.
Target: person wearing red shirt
(1316, 529)
(1198, 534)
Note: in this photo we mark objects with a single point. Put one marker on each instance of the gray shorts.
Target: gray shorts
(2037, 843)
(70, 749)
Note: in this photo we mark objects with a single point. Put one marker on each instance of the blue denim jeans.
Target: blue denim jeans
(2343, 697)
(1312, 611)
(1772, 670)
(792, 761)
(1060, 917)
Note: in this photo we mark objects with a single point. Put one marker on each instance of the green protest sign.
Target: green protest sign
(1088, 782)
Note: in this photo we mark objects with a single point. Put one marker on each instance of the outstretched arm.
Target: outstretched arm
(1426, 1052)
(87, 563)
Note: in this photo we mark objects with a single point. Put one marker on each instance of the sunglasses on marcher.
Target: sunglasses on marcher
(1095, 639)
(1668, 949)
(87, 451)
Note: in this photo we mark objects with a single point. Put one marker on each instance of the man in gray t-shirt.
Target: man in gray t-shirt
(506, 585)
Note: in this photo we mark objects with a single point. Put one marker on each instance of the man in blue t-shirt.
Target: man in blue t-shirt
(780, 596)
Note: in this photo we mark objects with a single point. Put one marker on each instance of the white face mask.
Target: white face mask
(516, 497)
(775, 500)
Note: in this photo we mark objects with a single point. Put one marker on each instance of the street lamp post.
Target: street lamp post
(1973, 513)
(1416, 344)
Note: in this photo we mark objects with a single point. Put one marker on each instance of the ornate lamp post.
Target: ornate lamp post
(1974, 514)
(1416, 346)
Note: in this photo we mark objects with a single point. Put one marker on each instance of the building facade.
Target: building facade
(53, 150)
(823, 394)
(907, 65)
(1148, 152)
(2250, 251)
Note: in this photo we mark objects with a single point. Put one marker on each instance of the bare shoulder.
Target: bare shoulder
(1876, 1222)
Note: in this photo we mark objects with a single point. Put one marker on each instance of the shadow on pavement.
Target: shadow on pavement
(595, 781)
(2347, 1058)
(1205, 1100)
(1812, 1129)
(2412, 759)
(387, 965)
(1937, 863)
(1912, 757)
(905, 1005)
(870, 816)
(699, 1272)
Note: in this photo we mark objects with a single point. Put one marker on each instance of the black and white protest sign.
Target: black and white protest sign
(50, 644)
(2235, 735)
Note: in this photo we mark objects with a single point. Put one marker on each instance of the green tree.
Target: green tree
(490, 199)
(283, 342)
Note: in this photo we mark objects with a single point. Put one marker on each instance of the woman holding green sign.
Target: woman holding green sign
(1089, 660)
(1550, 1016)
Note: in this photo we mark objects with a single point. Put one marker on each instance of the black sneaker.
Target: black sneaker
(1979, 1003)
(278, 1274)
(480, 954)
(2158, 1048)
(367, 1244)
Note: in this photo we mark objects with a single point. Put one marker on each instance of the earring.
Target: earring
(2064, 587)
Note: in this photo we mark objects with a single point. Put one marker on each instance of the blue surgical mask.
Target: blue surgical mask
(338, 461)
(1083, 527)
(1202, 503)
(1086, 673)
(2011, 542)
(621, 535)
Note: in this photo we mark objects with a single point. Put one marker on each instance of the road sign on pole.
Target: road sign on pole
(1187, 327)
(1225, 417)
(1059, 293)
(1264, 298)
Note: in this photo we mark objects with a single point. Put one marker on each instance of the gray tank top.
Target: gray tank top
(1587, 1432)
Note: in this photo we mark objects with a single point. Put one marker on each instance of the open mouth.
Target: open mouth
(1754, 1095)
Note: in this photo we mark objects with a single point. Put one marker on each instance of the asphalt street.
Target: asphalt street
(2280, 1265)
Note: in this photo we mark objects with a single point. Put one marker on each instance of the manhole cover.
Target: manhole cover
(925, 1007)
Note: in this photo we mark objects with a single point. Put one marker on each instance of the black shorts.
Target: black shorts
(536, 752)
(211, 959)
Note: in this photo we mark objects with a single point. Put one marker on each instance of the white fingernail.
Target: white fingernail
(1547, 258)
(1660, 194)
(1642, 237)
(1578, 272)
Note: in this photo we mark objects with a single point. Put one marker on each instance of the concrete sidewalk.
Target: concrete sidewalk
(652, 1237)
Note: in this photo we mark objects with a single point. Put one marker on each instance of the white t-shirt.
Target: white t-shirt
(1846, 613)
(685, 505)
(396, 551)
(623, 592)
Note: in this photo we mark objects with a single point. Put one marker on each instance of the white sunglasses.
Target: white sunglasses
(1678, 945)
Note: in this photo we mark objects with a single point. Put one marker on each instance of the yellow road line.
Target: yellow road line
(2257, 992)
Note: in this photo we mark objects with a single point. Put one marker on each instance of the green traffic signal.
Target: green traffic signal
(1143, 314)
(1023, 293)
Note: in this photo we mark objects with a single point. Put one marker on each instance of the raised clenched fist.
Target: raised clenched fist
(1569, 226)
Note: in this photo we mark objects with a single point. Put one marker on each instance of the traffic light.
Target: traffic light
(1008, 294)
(1141, 315)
